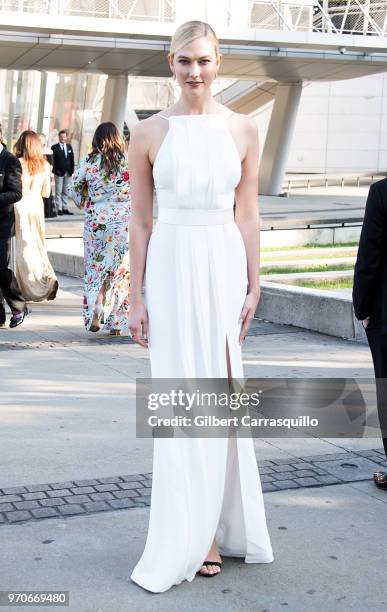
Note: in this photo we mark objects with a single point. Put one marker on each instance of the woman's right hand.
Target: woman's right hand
(138, 323)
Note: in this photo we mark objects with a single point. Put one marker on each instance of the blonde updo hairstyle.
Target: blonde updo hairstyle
(187, 32)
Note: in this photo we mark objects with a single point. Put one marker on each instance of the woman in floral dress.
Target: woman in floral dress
(101, 187)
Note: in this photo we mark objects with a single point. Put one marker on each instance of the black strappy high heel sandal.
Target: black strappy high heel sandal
(218, 563)
(380, 479)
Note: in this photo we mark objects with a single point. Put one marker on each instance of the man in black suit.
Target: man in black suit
(370, 297)
(63, 169)
(10, 192)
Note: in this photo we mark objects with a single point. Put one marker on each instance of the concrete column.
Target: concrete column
(14, 76)
(114, 102)
(42, 101)
(278, 139)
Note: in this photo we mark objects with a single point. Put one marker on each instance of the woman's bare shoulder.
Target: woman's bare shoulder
(244, 130)
(244, 121)
(144, 127)
(145, 132)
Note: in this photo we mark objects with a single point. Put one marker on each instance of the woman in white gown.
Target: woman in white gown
(201, 290)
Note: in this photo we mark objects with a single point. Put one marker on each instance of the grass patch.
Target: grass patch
(328, 284)
(309, 255)
(318, 268)
(329, 245)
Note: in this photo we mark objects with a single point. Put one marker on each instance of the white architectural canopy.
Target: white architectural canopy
(280, 40)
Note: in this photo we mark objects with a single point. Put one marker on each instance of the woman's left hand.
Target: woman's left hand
(248, 312)
(365, 322)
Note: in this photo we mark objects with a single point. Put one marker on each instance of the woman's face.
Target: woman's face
(195, 66)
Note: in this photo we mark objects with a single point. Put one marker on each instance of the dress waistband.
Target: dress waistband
(196, 216)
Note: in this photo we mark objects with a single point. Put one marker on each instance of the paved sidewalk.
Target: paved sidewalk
(75, 482)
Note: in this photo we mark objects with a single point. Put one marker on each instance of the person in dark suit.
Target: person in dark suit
(370, 297)
(63, 169)
(10, 192)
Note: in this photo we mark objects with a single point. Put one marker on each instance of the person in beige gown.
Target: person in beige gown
(33, 269)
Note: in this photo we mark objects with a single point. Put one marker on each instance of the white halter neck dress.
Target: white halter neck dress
(196, 282)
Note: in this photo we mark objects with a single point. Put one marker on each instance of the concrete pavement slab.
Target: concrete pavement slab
(328, 549)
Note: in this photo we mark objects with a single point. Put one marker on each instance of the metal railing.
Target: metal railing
(361, 17)
(330, 180)
(367, 17)
(141, 10)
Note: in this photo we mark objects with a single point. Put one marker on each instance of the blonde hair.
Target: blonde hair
(29, 147)
(188, 31)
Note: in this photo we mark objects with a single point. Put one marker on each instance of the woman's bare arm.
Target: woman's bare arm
(46, 187)
(140, 226)
(141, 220)
(247, 220)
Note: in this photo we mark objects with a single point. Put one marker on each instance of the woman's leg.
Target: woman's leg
(98, 308)
(213, 553)
(118, 297)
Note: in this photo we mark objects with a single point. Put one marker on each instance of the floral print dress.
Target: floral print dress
(106, 205)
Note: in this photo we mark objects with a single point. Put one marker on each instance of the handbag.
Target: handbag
(49, 207)
(84, 195)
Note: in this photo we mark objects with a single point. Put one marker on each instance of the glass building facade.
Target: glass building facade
(49, 101)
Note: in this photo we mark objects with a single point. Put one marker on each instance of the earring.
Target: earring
(173, 75)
